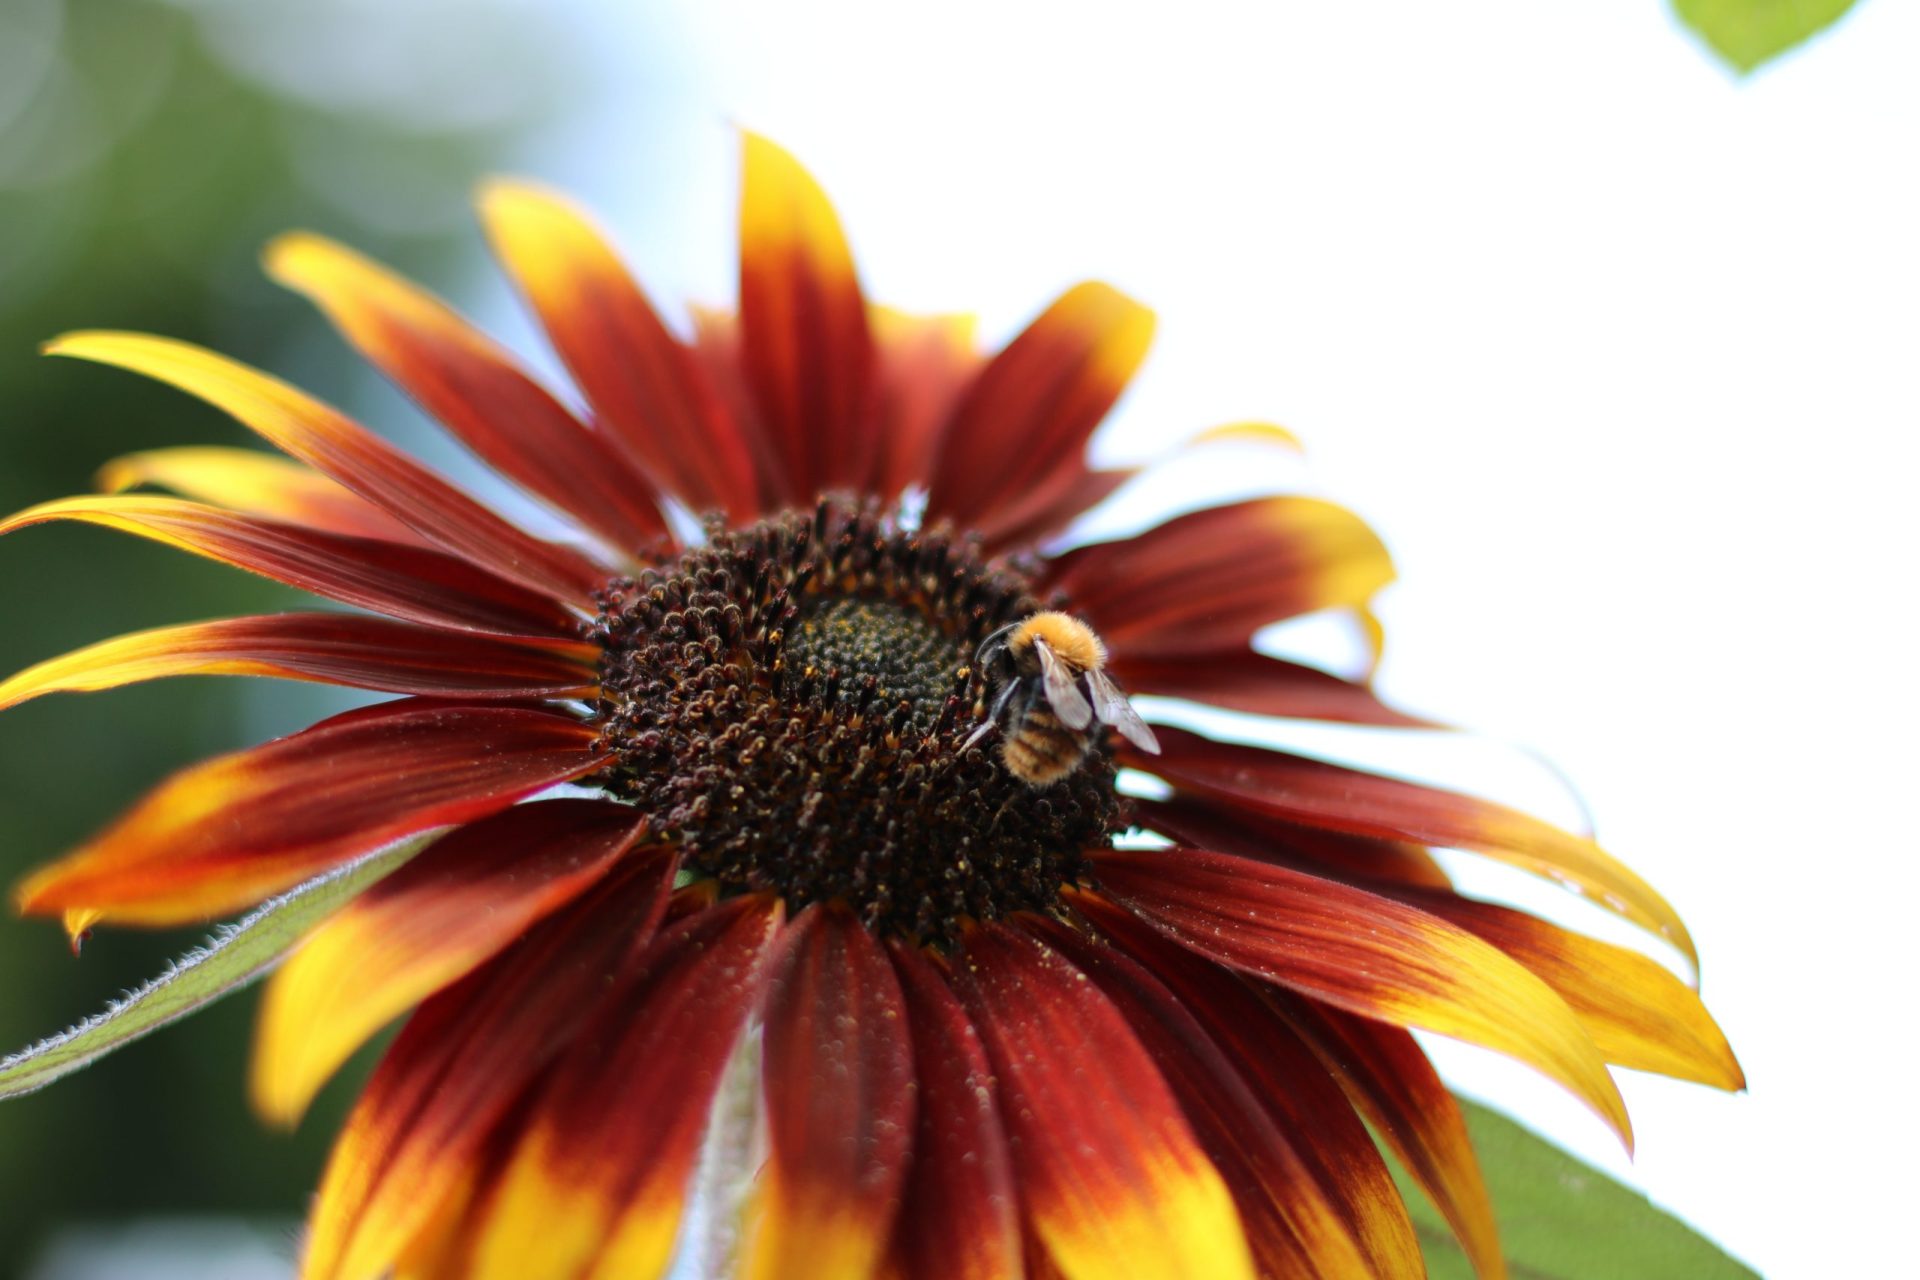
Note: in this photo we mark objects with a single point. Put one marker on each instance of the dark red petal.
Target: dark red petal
(1017, 441)
(924, 362)
(1088, 490)
(716, 349)
(839, 1081)
(425, 926)
(1206, 581)
(1304, 1215)
(232, 830)
(1241, 680)
(330, 648)
(466, 381)
(1112, 1180)
(959, 1213)
(328, 441)
(1205, 823)
(807, 352)
(1389, 1080)
(415, 583)
(1362, 953)
(1315, 793)
(597, 1183)
(421, 1127)
(646, 388)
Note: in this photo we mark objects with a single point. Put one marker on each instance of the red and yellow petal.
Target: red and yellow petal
(1242, 680)
(804, 341)
(1206, 581)
(1389, 1080)
(838, 1073)
(330, 442)
(1315, 793)
(1305, 1102)
(436, 919)
(1017, 440)
(1639, 1014)
(401, 580)
(646, 388)
(469, 383)
(257, 483)
(598, 1182)
(1112, 1179)
(329, 648)
(1365, 954)
(428, 1127)
(1202, 823)
(230, 831)
(959, 1211)
(1301, 1219)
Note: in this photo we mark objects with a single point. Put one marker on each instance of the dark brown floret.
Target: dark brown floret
(788, 702)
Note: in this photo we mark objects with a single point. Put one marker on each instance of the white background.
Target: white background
(1617, 350)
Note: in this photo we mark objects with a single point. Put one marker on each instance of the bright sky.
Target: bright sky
(1616, 350)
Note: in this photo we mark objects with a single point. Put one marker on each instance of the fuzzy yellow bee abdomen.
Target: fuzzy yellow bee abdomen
(1042, 750)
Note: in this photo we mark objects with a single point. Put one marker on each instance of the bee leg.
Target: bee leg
(1002, 700)
(998, 709)
(980, 731)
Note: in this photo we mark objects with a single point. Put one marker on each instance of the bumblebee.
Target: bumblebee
(1051, 692)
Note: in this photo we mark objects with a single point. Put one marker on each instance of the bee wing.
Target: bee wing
(1062, 694)
(1111, 705)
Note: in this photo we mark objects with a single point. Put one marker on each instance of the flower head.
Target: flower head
(845, 804)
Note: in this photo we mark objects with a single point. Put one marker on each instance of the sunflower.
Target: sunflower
(982, 1033)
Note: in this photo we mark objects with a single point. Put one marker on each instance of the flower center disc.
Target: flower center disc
(788, 704)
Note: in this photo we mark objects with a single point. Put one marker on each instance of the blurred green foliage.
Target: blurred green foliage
(1747, 33)
(146, 153)
(1563, 1220)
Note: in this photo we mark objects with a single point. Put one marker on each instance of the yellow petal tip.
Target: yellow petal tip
(273, 1107)
(116, 475)
(76, 342)
(107, 346)
(1264, 433)
(504, 193)
(285, 257)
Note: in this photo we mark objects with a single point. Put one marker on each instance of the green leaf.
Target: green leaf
(1563, 1220)
(237, 955)
(1748, 32)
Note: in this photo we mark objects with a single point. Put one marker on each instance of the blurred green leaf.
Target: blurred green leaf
(233, 959)
(1747, 33)
(148, 148)
(1563, 1220)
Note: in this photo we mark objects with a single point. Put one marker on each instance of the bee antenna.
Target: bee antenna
(979, 657)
